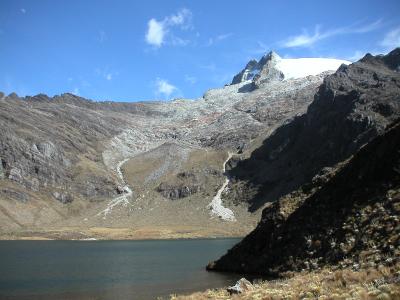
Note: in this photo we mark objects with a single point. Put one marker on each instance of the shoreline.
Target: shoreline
(116, 234)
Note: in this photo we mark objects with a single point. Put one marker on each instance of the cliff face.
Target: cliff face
(351, 107)
(339, 164)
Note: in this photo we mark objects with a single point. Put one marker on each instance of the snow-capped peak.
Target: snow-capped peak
(272, 67)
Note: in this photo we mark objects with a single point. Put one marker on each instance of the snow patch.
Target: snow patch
(302, 67)
(216, 207)
(120, 200)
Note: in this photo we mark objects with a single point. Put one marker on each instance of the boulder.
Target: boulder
(242, 285)
(120, 189)
(15, 175)
(63, 197)
(177, 191)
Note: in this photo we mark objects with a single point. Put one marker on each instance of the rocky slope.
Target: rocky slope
(369, 283)
(339, 165)
(351, 107)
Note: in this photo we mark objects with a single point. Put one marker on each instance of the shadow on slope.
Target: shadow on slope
(351, 221)
(352, 107)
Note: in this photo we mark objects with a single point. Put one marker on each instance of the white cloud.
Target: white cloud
(163, 87)
(356, 55)
(155, 33)
(183, 17)
(307, 40)
(76, 91)
(367, 27)
(158, 31)
(23, 10)
(218, 38)
(303, 40)
(391, 39)
(106, 73)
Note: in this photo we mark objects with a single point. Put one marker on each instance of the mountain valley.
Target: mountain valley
(70, 164)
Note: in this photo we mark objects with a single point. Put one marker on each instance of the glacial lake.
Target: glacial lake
(109, 269)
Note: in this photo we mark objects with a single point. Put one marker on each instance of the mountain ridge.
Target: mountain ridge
(66, 159)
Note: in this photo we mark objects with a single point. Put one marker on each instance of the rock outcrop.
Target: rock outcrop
(241, 286)
(262, 71)
(176, 192)
(186, 184)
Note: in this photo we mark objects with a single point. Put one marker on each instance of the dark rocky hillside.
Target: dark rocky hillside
(353, 220)
(351, 107)
(339, 166)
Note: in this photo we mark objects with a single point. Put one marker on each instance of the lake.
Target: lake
(109, 269)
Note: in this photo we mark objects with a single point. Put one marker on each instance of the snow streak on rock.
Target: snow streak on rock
(216, 207)
(120, 200)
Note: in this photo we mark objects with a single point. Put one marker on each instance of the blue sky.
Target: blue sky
(143, 50)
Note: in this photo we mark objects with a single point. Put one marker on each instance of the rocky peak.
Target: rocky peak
(271, 68)
(39, 97)
(392, 59)
(252, 64)
(268, 70)
(271, 56)
(254, 67)
(12, 96)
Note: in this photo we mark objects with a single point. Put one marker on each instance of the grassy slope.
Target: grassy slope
(367, 284)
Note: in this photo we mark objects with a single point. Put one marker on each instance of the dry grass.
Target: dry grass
(120, 233)
(381, 283)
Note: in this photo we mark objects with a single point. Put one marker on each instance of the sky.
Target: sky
(162, 50)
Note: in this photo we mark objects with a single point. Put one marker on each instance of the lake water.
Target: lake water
(109, 269)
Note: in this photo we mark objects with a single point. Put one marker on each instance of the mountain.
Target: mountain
(75, 168)
(330, 179)
(68, 162)
(351, 107)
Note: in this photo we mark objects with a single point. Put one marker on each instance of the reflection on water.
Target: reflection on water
(109, 269)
